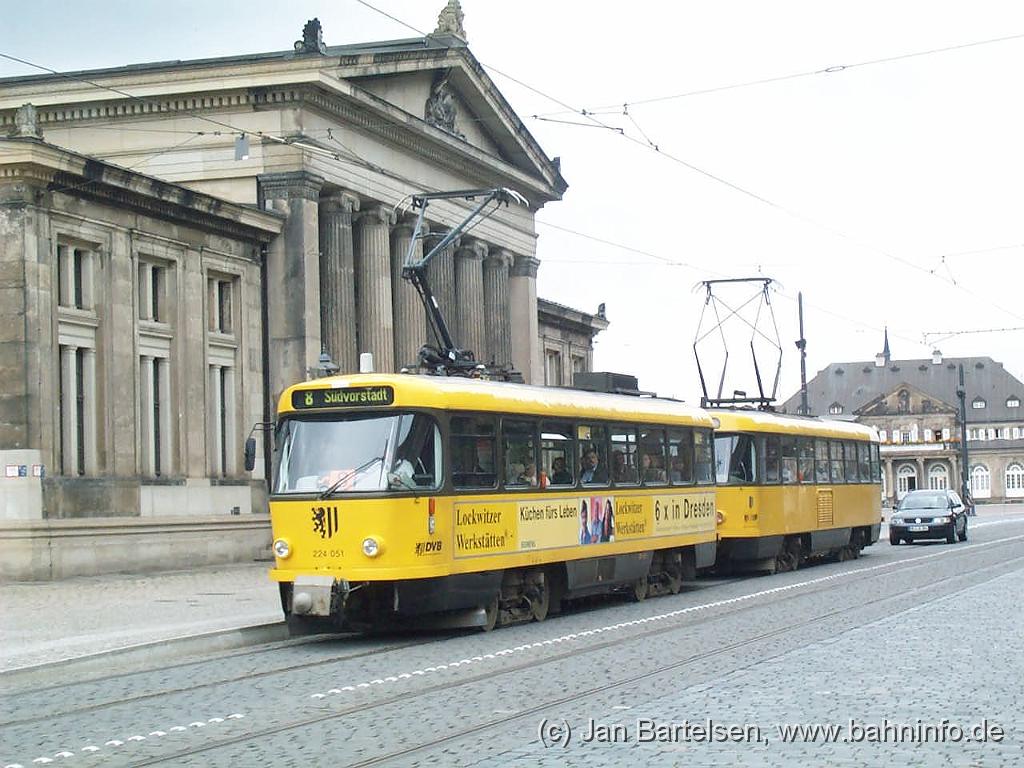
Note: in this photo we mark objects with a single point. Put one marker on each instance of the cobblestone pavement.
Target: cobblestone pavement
(52, 621)
(906, 633)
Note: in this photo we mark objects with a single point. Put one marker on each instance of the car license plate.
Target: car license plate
(917, 528)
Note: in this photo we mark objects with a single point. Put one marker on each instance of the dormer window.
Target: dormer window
(835, 409)
(1013, 402)
(977, 403)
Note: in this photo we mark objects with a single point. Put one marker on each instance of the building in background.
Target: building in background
(567, 341)
(914, 406)
(180, 241)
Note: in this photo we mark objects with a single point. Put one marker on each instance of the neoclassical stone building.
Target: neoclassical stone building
(195, 234)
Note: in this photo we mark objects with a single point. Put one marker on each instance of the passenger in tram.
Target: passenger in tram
(652, 472)
(621, 472)
(559, 474)
(529, 475)
(594, 472)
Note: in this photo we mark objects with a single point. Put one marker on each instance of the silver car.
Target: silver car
(929, 515)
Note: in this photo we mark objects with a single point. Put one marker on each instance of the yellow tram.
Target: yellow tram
(792, 488)
(396, 498)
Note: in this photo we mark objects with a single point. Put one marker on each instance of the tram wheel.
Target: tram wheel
(674, 582)
(491, 612)
(540, 604)
(639, 592)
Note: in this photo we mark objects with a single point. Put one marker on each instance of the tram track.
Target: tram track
(756, 640)
(341, 657)
(911, 562)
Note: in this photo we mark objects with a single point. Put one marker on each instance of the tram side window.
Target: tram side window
(772, 459)
(821, 471)
(652, 456)
(852, 468)
(624, 455)
(836, 455)
(805, 448)
(864, 462)
(519, 449)
(876, 464)
(703, 456)
(680, 456)
(790, 472)
(417, 462)
(473, 444)
(735, 459)
(593, 445)
(557, 454)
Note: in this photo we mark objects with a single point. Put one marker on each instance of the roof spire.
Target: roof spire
(885, 348)
(449, 22)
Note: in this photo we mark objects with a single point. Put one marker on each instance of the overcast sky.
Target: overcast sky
(888, 192)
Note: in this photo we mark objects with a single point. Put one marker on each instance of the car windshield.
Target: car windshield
(360, 453)
(925, 501)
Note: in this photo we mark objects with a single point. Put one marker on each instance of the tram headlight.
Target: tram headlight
(371, 547)
(282, 548)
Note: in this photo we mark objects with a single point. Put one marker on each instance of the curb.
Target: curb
(136, 657)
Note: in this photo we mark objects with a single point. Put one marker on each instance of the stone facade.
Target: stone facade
(150, 317)
(567, 341)
(131, 350)
(915, 408)
(336, 139)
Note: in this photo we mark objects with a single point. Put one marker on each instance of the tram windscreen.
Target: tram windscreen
(360, 453)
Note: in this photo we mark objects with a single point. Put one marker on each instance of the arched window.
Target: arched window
(977, 403)
(1013, 402)
(981, 482)
(938, 477)
(1015, 479)
(906, 480)
(835, 409)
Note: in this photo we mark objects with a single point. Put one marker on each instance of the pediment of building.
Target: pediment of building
(905, 399)
(433, 99)
(449, 91)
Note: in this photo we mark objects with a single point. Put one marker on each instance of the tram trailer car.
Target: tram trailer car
(435, 501)
(793, 488)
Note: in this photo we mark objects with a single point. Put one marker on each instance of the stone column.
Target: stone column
(69, 410)
(163, 378)
(373, 286)
(216, 434)
(410, 325)
(293, 277)
(497, 317)
(469, 297)
(148, 431)
(922, 478)
(525, 331)
(890, 480)
(229, 437)
(441, 274)
(338, 280)
(89, 437)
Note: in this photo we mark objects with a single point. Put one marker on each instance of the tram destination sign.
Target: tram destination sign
(348, 397)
